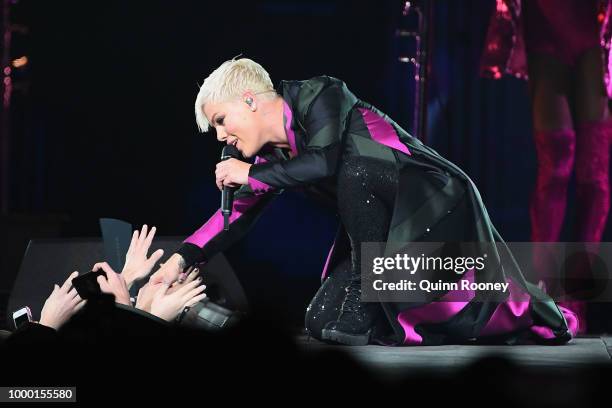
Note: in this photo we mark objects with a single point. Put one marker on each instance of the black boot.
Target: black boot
(357, 321)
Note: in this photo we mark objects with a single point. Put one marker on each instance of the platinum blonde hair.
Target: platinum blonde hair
(230, 81)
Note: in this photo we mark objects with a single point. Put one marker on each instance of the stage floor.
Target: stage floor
(581, 352)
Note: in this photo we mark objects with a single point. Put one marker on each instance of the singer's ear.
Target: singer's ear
(249, 99)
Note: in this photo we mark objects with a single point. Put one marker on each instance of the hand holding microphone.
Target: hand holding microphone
(230, 173)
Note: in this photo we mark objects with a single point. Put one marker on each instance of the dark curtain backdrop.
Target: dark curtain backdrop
(482, 125)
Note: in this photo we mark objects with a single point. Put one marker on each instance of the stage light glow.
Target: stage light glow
(20, 62)
(501, 6)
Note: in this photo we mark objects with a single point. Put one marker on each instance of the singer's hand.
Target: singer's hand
(169, 272)
(232, 172)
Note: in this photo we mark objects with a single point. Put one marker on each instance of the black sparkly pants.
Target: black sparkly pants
(366, 195)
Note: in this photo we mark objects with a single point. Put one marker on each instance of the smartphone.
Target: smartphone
(22, 316)
(87, 284)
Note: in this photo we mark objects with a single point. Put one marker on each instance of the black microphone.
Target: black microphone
(227, 194)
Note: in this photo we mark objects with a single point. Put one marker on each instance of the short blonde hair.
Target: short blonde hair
(229, 81)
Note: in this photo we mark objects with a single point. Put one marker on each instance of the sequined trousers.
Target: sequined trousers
(366, 195)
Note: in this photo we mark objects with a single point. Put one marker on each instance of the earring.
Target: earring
(249, 101)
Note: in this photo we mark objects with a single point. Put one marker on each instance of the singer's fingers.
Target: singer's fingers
(221, 165)
(228, 180)
(193, 273)
(221, 174)
(229, 183)
(221, 180)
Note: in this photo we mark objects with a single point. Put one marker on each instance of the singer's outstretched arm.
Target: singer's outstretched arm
(325, 121)
(211, 239)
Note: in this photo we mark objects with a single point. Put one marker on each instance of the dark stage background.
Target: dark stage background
(102, 121)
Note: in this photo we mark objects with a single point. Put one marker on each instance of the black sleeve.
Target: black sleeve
(325, 123)
(211, 239)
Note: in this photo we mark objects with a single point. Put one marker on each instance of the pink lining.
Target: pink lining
(259, 187)
(434, 312)
(382, 131)
(511, 315)
(331, 251)
(215, 224)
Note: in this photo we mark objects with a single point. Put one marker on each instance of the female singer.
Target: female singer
(386, 187)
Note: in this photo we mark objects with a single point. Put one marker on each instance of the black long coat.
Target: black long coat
(326, 123)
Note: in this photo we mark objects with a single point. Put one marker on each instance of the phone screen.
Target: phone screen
(87, 285)
(21, 316)
(21, 320)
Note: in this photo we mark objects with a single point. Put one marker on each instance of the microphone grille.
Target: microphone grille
(230, 151)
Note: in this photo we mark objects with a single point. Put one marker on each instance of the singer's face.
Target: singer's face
(235, 124)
